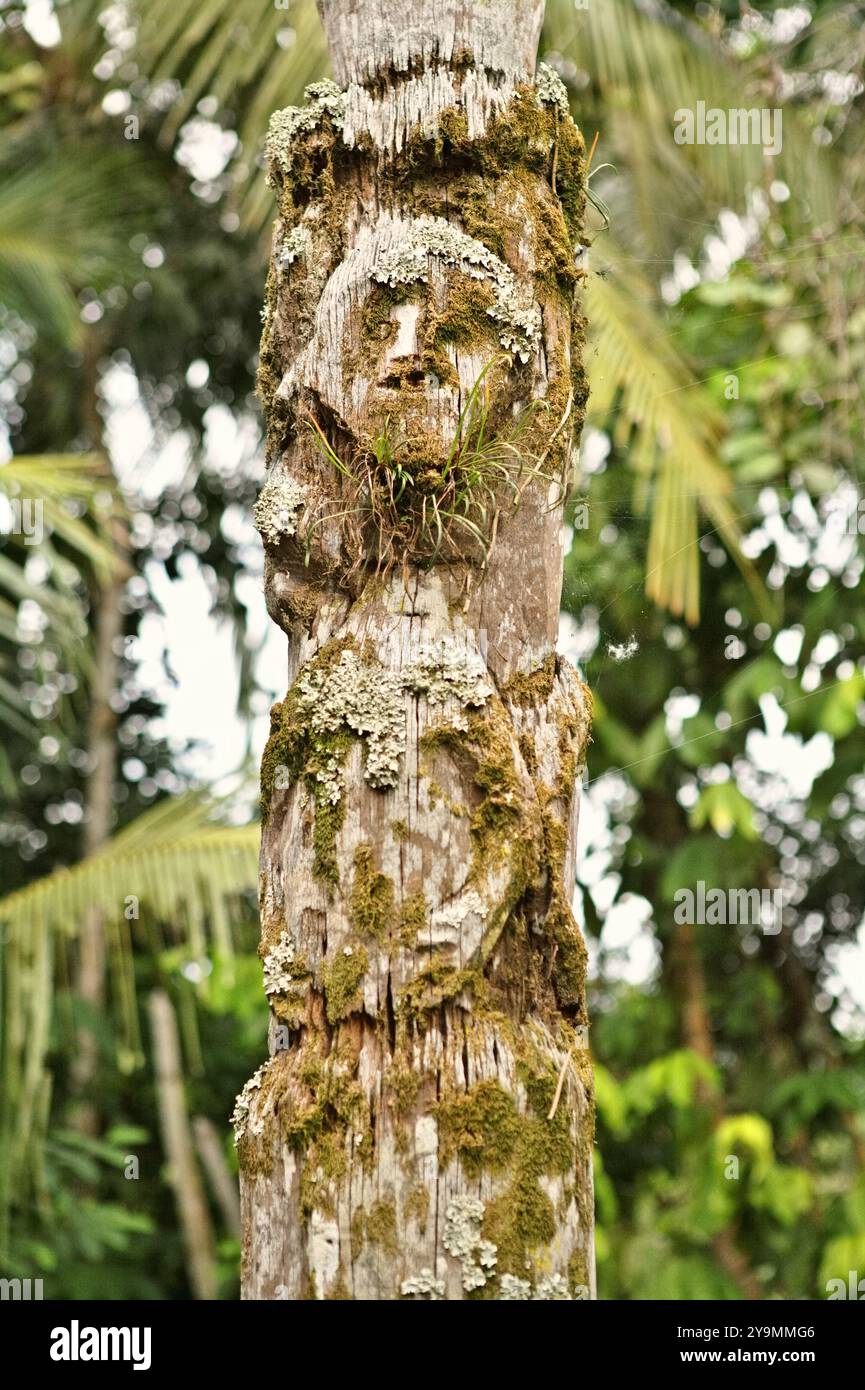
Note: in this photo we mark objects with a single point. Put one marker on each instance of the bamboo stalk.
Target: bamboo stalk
(222, 1182)
(179, 1149)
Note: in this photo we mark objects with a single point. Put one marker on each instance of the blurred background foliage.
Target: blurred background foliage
(711, 601)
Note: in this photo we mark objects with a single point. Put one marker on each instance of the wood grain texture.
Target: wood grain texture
(420, 788)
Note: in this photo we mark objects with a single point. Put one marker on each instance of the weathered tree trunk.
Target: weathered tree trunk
(424, 1123)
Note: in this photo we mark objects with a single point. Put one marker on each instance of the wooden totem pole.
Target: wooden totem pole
(423, 1126)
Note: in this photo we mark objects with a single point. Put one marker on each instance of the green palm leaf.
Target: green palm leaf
(166, 858)
(251, 57)
(65, 222)
(645, 394)
(182, 865)
(78, 506)
(646, 62)
(78, 501)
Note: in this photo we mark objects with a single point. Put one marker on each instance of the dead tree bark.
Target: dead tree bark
(423, 1126)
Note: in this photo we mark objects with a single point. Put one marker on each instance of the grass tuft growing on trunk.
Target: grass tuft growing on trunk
(405, 499)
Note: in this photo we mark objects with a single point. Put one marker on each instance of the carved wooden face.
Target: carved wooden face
(419, 343)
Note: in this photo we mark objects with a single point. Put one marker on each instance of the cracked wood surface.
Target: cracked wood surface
(420, 789)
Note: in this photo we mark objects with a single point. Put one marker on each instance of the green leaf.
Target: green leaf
(174, 858)
(719, 863)
(842, 1256)
(725, 809)
(611, 1100)
(750, 1132)
(838, 712)
(672, 1079)
(701, 739)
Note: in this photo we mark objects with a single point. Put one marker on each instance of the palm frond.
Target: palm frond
(252, 58)
(65, 223)
(647, 61)
(645, 394)
(165, 858)
(179, 865)
(73, 499)
(78, 499)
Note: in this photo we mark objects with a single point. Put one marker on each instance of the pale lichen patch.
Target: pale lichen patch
(454, 914)
(553, 1288)
(295, 244)
(462, 1239)
(512, 1289)
(551, 90)
(364, 698)
(277, 966)
(367, 699)
(408, 261)
(423, 1285)
(442, 673)
(242, 1117)
(276, 512)
(550, 1288)
(322, 99)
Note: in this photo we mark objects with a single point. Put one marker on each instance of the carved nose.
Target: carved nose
(405, 316)
(403, 371)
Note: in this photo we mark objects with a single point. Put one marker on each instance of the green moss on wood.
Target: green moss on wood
(372, 897)
(342, 979)
(529, 754)
(417, 1206)
(505, 822)
(292, 1005)
(378, 327)
(329, 820)
(376, 1226)
(480, 1126)
(303, 602)
(381, 1226)
(339, 1291)
(521, 1219)
(269, 374)
(462, 323)
(437, 982)
(312, 1104)
(315, 1106)
(571, 960)
(578, 1270)
(402, 1083)
(413, 918)
(533, 688)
